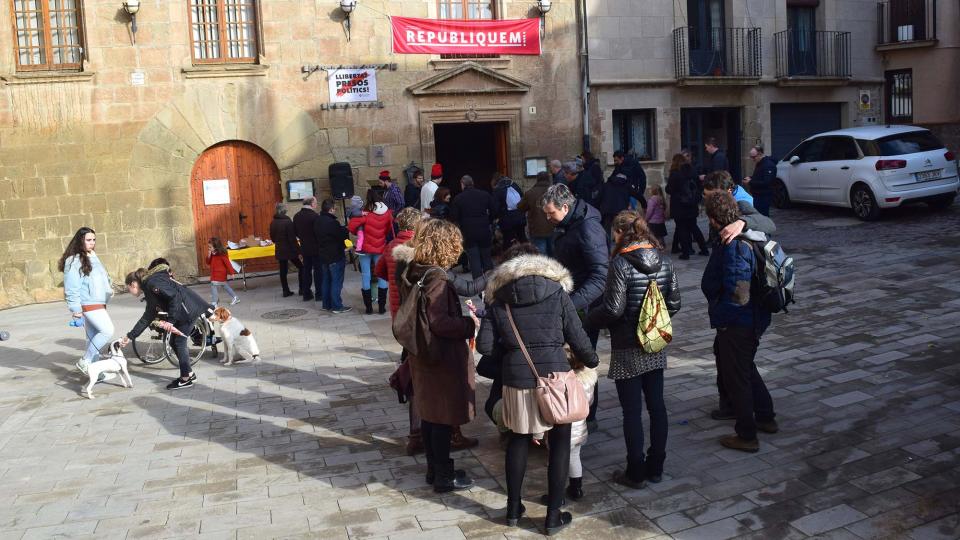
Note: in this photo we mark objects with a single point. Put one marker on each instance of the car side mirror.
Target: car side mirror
(794, 160)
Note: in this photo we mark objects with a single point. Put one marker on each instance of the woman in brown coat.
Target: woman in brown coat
(444, 376)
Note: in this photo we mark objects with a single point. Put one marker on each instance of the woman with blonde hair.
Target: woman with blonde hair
(443, 372)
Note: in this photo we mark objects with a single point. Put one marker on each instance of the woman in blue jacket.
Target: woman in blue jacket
(87, 290)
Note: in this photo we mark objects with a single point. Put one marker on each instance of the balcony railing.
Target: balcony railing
(812, 54)
(905, 21)
(717, 52)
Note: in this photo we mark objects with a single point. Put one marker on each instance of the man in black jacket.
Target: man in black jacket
(588, 183)
(761, 183)
(473, 210)
(580, 244)
(330, 260)
(628, 166)
(303, 224)
(714, 160)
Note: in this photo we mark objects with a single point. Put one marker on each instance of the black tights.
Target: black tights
(557, 468)
(436, 442)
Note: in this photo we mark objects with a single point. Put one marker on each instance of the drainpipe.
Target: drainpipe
(584, 59)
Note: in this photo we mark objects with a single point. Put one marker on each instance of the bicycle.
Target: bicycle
(157, 347)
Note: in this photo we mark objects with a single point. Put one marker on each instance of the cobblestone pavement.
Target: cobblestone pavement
(308, 443)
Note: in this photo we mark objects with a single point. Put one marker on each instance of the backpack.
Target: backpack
(773, 279)
(411, 327)
(654, 329)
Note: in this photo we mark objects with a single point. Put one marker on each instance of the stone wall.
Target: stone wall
(93, 149)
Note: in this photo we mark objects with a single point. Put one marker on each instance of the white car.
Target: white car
(868, 169)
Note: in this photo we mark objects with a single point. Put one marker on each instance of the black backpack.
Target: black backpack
(773, 282)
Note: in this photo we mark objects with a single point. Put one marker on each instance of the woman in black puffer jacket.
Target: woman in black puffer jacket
(638, 375)
(536, 289)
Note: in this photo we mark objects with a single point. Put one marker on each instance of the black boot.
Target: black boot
(367, 300)
(447, 479)
(557, 521)
(382, 299)
(515, 511)
(575, 489)
(430, 477)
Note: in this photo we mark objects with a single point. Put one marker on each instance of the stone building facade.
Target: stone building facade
(667, 74)
(122, 140)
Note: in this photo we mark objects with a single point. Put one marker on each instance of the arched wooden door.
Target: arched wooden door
(234, 187)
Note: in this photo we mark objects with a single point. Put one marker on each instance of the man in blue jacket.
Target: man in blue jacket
(761, 183)
(727, 284)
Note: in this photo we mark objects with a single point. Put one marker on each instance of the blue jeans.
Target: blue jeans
(331, 284)
(544, 244)
(215, 291)
(632, 393)
(367, 262)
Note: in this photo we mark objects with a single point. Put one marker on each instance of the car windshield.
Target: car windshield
(900, 144)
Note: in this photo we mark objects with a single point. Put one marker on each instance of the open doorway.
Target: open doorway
(722, 123)
(478, 149)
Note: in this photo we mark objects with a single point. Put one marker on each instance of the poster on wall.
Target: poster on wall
(448, 36)
(216, 192)
(352, 85)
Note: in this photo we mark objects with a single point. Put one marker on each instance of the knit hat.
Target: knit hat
(385, 175)
(436, 171)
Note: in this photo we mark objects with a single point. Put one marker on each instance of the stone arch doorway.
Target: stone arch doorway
(234, 186)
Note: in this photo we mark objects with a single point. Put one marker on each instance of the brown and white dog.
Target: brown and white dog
(114, 362)
(236, 338)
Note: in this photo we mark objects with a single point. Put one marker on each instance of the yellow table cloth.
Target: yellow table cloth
(254, 252)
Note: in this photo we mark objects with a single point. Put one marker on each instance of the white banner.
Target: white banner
(216, 192)
(352, 85)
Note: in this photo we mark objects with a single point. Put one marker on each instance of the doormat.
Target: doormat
(283, 314)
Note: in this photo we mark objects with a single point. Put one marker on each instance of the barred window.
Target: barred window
(223, 31)
(633, 133)
(48, 35)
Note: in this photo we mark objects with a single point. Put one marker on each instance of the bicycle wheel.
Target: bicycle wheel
(198, 342)
(151, 350)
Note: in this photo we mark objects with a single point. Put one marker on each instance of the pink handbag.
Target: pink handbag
(560, 395)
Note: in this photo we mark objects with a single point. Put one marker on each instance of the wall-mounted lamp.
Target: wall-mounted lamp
(132, 7)
(544, 7)
(347, 6)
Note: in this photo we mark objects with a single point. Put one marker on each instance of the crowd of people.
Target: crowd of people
(555, 265)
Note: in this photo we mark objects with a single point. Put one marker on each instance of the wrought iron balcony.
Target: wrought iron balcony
(812, 54)
(717, 54)
(906, 22)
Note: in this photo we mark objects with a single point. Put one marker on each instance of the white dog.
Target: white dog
(114, 363)
(236, 338)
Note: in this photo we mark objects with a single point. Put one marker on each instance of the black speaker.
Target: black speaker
(341, 180)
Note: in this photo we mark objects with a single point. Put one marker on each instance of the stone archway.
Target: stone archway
(170, 143)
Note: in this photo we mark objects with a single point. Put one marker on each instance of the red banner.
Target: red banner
(429, 36)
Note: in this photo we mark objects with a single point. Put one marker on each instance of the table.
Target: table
(254, 252)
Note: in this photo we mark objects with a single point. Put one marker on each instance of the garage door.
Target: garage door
(791, 123)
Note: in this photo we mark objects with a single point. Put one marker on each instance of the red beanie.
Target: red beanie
(436, 171)
(384, 175)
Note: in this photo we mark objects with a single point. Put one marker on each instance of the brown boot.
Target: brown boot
(736, 443)
(459, 442)
(769, 426)
(414, 444)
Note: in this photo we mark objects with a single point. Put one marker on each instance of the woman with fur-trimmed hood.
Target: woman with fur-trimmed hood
(537, 290)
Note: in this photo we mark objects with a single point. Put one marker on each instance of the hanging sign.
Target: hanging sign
(352, 85)
(446, 36)
(216, 192)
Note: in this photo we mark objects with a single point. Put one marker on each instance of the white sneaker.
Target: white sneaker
(82, 365)
(235, 301)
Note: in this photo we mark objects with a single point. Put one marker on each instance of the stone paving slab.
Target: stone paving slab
(308, 443)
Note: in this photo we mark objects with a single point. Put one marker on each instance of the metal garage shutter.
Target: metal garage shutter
(791, 123)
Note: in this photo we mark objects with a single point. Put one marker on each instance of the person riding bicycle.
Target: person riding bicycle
(183, 307)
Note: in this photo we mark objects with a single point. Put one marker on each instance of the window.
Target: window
(899, 90)
(633, 133)
(224, 31)
(908, 143)
(466, 9)
(48, 35)
(839, 149)
(810, 151)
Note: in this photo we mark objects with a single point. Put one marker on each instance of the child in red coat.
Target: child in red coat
(220, 268)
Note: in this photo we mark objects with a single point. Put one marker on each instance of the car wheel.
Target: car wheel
(942, 202)
(781, 198)
(864, 203)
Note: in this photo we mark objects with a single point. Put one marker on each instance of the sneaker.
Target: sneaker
(344, 309)
(193, 377)
(179, 383)
(768, 426)
(720, 414)
(235, 301)
(734, 442)
(82, 365)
